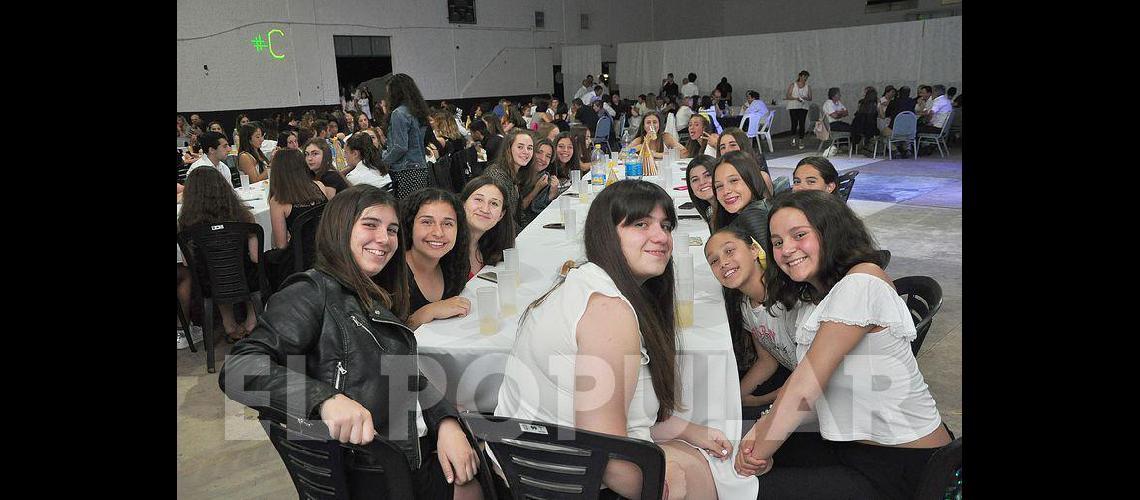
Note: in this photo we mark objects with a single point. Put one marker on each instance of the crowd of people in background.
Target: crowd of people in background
(419, 197)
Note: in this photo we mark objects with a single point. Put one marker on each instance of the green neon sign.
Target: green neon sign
(261, 43)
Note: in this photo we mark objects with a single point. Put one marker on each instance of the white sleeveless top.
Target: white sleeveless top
(538, 382)
(877, 392)
(798, 92)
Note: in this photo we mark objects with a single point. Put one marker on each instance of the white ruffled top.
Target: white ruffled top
(877, 392)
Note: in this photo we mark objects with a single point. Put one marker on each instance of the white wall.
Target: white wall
(502, 54)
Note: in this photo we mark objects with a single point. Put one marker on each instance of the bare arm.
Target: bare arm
(248, 166)
(607, 364)
(760, 371)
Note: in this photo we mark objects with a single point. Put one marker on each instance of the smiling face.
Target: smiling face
(732, 261)
(433, 230)
(374, 238)
(701, 182)
(292, 142)
(256, 139)
(542, 157)
(484, 208)
(522, 150)
(362, 121)
(647, 244)
(731, 190)
(217, 127)
(313, 157)
(565, 150)
(795, 246)
(696, 127)
(807, 177)
(728, 144)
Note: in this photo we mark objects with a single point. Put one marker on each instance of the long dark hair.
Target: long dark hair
(563, 169)
(504, 159)
(653, 301)
(749, 172)
(368, 153)
(502, 235)
(844, 242)
(334, 256)
(823, 165)
(659, 145)
(870, 102)
(455, 264)
(402, 90)
(209, 199)
(326, 158)
(245, 133)
(292, 180)
(526, 177)
(702, 206)
(742, 347)
(694, 145)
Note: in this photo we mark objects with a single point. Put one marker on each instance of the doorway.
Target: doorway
(359, 59)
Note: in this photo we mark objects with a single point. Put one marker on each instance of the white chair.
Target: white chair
(766, 132)
(939, 139)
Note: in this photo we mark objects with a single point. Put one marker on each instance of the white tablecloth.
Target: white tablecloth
(468, 367)
(260, 208)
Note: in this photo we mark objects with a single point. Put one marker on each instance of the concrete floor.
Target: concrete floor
(913, 207)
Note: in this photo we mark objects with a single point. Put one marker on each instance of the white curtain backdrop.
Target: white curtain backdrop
(909, 53)
(577, 62)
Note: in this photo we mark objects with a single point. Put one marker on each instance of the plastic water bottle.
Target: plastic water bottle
(633, 166)
(625, 138)
(598, 170)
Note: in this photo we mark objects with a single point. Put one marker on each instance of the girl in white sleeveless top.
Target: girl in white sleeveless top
(612, 320)
(856, 369)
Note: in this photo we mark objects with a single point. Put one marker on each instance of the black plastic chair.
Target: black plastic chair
(846, 182)
(923, 297)
(319, 465)
(942, 477)
(548, 461)
(221, 248)
(303, 237)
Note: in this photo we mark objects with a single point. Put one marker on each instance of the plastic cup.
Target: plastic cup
(683, 266)
(487, 299)
(685, 290)
(680, 243)
(564, 203)
(511, 260)
(244, 181)
(570, 220)
(576, 182)
(508, 298)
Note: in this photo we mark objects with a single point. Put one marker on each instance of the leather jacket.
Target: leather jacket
(315, 340)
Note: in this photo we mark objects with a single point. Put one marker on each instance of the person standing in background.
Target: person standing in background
(725, 89)
(799, 97)
(690, 87)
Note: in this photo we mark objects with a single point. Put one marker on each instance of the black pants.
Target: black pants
(428, 481)
(799, 116)
(806, 467)
(928, 129)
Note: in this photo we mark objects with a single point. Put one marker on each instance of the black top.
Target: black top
(670, 90)
(333, 179)
(416, 298)
(725, 89)
(588, 117)
(898, 106)
(492, 147)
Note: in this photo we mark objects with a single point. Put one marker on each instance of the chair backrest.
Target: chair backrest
(942, 477)
(906, 124)
(602, 131)
(753, 124)
(768, 119)
(846, 182)
(542, 460)
(221, 248)
(320, 466)
(923, 297)
(947, 124)
(886, 255)
(303, 236)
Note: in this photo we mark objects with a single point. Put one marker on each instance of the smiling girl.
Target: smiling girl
(516, 154)
(489, 222)
(436, 255)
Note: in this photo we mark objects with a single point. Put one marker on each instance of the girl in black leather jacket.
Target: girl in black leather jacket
(331, 345)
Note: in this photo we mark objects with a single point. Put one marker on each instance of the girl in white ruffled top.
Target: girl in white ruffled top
(856, 370)
(611, 323)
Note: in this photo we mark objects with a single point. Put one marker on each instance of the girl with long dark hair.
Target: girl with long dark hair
(617, 306)
(251, 160)
(539, 186)
(365, 165)
(436, 254)
(489, 221)
(407, 125)
(336, 316)
(319, 159)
